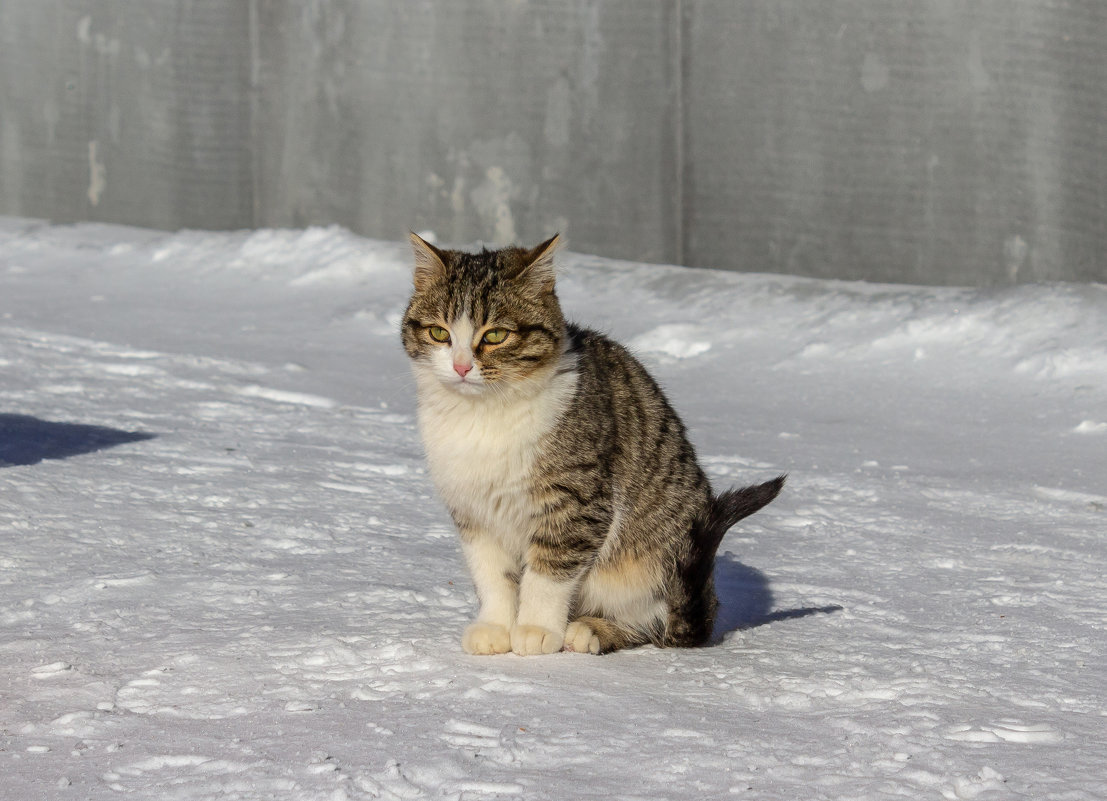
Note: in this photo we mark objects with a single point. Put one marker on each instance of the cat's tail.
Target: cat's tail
(730, 507)
(692, 612)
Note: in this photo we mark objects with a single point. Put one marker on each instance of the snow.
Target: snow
(223, 572)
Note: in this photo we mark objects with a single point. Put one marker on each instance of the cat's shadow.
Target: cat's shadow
(26, 440)
(745, 600)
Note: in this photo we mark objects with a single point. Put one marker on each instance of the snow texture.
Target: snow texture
(224, 574)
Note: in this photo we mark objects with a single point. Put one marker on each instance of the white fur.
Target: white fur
(489, 565)
(486, 639)
(579, 638)
(533, 640)
(481, 443)
(543, 614)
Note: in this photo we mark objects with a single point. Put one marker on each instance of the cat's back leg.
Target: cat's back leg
(621, 605)
(597, 635)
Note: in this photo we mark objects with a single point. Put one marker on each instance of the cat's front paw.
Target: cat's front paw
(486, 638)
(531, 640)
(580, 638)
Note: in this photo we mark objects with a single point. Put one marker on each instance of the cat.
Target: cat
(585, 520)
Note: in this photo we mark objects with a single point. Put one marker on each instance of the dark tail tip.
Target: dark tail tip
(734, 504)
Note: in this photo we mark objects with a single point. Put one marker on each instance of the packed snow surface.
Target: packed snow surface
(224, 573)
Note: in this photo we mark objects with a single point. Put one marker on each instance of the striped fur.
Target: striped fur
(585, 519)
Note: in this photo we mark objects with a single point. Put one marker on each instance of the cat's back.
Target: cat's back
(612, 381)
(621, 416)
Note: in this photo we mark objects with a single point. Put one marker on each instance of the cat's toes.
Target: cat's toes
(486, 638)
(530, 640)
(579, 638)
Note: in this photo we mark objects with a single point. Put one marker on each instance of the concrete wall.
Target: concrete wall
(482, 119)
(928, 141)
(131, 112)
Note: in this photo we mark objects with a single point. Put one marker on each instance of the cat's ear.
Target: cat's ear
(539, 271)
(430, 263)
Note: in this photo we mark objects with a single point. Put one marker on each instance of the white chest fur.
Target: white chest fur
(482, 449)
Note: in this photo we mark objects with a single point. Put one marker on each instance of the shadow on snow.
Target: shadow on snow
(745, 600)
(26, 440)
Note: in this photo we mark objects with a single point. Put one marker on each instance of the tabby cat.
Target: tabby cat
(585, 520)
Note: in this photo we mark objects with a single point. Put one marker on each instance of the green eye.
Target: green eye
(496, 336)
(438, 333)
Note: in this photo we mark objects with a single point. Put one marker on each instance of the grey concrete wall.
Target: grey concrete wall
(928, 141)
(479, 119)
(131, 112)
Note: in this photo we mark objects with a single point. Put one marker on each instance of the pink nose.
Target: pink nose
(462, 369)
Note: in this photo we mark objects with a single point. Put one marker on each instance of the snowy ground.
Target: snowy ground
(223, 573)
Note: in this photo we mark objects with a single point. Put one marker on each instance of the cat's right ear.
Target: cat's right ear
(430, 263)
(540, 264)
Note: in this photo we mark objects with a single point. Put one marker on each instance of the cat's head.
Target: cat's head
(484, 323)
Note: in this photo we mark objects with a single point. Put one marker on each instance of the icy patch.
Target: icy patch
(283, 396)
(344, 271)
(967, 787)
(181, 776)
(380, 323)
(679, 341)
(1006, 732)
(1090, 427)
(1069, 496)
(1064, 363)
(79, 724)
(934, 330)
(192, 691)
(132, 370)
(51, 670)
(124, 581)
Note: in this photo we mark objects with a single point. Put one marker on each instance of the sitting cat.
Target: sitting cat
(585, 520)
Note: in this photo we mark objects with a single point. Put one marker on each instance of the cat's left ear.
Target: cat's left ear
(430, 263)
(539, 271)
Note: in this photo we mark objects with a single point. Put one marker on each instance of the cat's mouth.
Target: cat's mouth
(465, 385)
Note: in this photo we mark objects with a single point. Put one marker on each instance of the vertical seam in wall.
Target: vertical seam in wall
(677, 35)
(254, 111)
